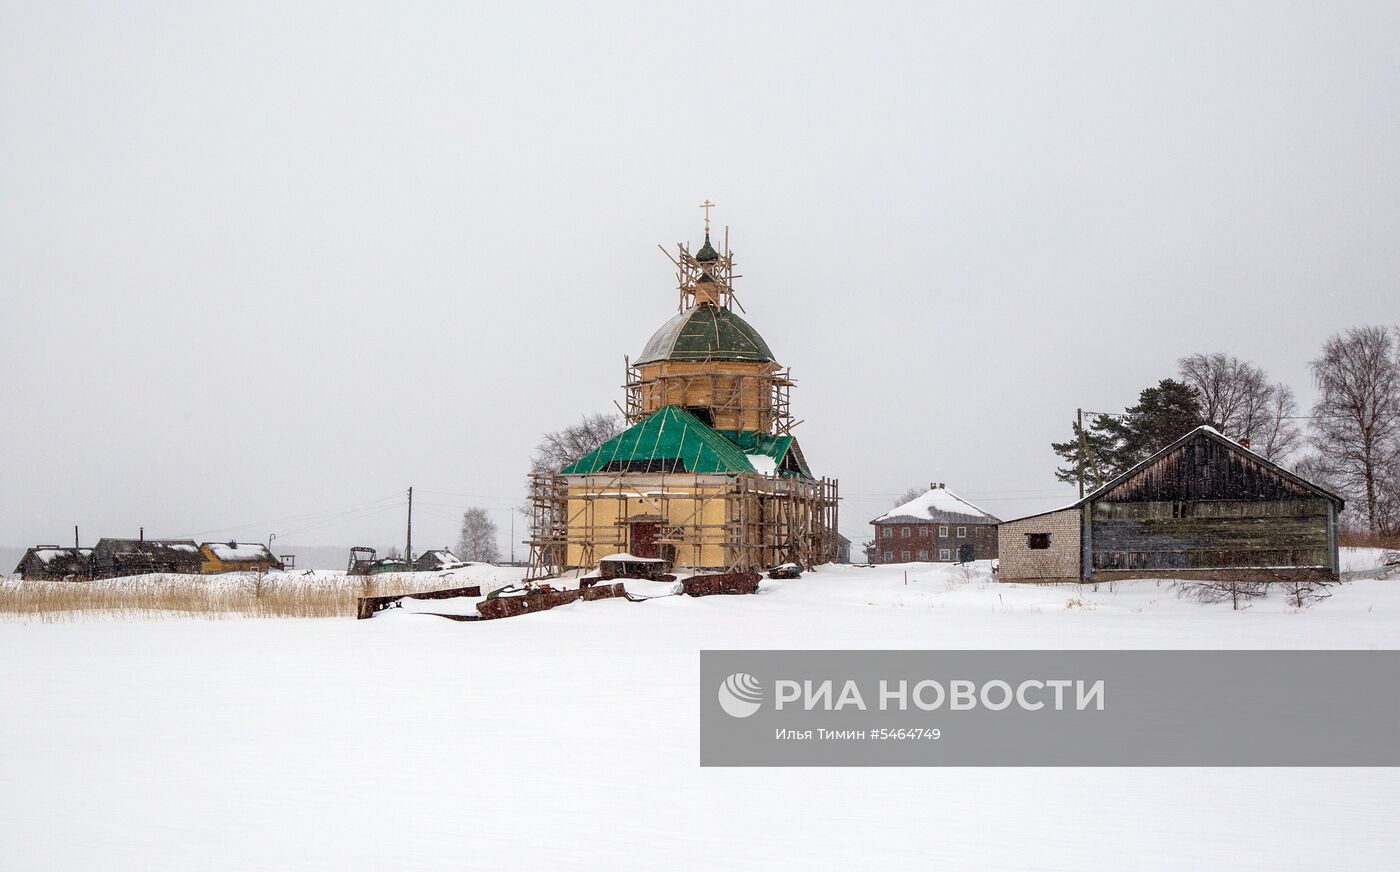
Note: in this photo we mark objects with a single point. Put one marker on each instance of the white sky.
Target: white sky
(269, 260)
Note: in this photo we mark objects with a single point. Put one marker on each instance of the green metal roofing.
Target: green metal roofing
(776, 447)
(671, 440)
(705, 332)
(707, 253)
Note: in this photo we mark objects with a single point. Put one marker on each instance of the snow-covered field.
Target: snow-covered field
(569, 738)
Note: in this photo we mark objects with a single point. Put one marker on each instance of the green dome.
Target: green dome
(707, 253)
(705, 332)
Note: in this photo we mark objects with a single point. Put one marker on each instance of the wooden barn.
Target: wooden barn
(52, 563)
(1203, 507)
(237, 557)
(113, 558)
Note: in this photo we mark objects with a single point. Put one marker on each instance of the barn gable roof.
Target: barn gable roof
(1208, 432)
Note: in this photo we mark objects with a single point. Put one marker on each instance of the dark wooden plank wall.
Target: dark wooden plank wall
(1207, 506)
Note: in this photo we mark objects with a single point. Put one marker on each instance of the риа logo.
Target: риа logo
(740, 695)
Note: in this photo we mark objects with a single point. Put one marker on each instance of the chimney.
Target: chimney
(1244, 442)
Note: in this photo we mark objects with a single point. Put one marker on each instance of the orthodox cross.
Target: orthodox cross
(707, 206)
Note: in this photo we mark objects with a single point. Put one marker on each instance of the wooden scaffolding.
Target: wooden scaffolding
(721, 522)
(689, 270)
(762, 397)
(712, 522)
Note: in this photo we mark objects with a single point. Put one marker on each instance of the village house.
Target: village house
(708, 474)
(114, 558)
(937, 526)
(237, 557)
(436, 560)
(1204, 506)
(52, 563)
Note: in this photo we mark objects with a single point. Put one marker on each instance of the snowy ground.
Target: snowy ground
(569, 738)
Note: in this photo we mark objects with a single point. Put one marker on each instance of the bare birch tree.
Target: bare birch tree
(1282, 436)
(558, 448)
(1236, 396)
(1356, 426)
(910, 495)
(478, 537)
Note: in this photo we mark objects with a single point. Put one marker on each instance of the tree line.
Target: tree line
(1349, 444)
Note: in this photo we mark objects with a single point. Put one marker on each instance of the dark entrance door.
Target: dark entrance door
(965, 553)
(642, 541)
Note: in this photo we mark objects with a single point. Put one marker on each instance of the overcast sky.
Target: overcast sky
(267, 262)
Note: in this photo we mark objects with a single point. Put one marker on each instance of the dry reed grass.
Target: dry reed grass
(213, 597)
(1363, 539)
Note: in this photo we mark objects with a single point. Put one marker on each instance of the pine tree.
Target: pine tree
(1090, 459)
(1111, 444)
(1162, 415)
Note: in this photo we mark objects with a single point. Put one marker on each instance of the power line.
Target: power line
(291, 518)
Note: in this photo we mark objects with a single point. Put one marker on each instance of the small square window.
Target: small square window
(923, 555)
(889, 531)
(942, 532)
(962, 532)
(904, 556)
(923, 532)
(904, 531)
(1037, 541)
(944, 554)
(889, 557)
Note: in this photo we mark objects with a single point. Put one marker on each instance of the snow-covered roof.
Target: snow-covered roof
(46, 554)
(937, 504)
(122, 547)
(237, 551)
(437, 558)
(763, 464)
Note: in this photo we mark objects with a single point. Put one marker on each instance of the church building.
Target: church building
(707, 476)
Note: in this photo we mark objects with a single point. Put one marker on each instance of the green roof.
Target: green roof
(705, 332)
(776, 447)
(671, 440)
(707, 253)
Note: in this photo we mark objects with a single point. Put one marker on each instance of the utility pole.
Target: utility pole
(512, 536)
(1083, 453)
(75, 536)
(408, 547)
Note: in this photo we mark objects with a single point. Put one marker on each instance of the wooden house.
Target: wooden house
(708, 475)
(113, 558)
(237, 557)
(52, 563)
(937, 526)
(436, 560)
(1203, 507)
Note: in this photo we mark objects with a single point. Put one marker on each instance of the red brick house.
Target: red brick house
(936, 527)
